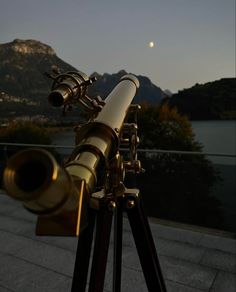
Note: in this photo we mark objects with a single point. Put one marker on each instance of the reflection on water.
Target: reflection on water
(64, 138)
(217, 137)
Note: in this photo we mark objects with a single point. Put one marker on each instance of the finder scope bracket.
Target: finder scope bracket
(71, 88)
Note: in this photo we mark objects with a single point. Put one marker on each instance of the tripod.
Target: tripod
(131, 203)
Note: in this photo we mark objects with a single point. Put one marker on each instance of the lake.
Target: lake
(215, 136)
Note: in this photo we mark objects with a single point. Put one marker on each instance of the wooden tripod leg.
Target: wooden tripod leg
(117, 257)
(145, 246)
(83, 256)
(101, 246)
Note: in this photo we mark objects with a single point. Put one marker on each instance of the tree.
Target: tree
(176, 187)
(24, 132)
(210, 101)
(164, 128)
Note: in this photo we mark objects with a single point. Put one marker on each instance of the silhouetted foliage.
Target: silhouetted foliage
(24, 132)
(20, 132)
(176, 186)
(211, 101)
(164, 128)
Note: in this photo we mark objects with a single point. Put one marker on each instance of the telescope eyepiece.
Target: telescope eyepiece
(56, 98)
(68, 88)
(31, 175)
(28, 171)
(34, 177)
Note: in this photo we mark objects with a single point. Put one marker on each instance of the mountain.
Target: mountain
(24, 87)
(22, 67)
(147, 92)
(167, 93)
(210, 101)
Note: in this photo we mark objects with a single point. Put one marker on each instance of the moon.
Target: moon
(151, 44)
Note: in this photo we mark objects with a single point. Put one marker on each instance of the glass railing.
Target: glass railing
(188, 187)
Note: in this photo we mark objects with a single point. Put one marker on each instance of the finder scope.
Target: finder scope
(69, 88)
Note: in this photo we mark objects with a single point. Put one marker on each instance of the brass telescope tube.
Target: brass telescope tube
(35, 178)
(102, 135)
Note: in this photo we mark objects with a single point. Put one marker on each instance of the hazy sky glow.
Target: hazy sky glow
(194, 39)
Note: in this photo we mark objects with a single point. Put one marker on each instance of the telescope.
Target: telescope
(34, 177)
(89, 187)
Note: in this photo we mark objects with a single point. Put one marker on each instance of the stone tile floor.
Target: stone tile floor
(192, 259)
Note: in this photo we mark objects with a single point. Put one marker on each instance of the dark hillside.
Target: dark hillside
(148, 92)
(210, 101)
(22, 68)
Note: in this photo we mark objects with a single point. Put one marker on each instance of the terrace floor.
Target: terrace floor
(192, 259)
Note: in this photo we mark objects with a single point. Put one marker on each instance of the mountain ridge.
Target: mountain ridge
(215, 100)
(25, 61)
(28, 46)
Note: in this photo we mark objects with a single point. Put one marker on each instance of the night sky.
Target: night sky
(194, 40)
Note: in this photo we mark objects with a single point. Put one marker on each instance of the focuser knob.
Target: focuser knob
(133, 166)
